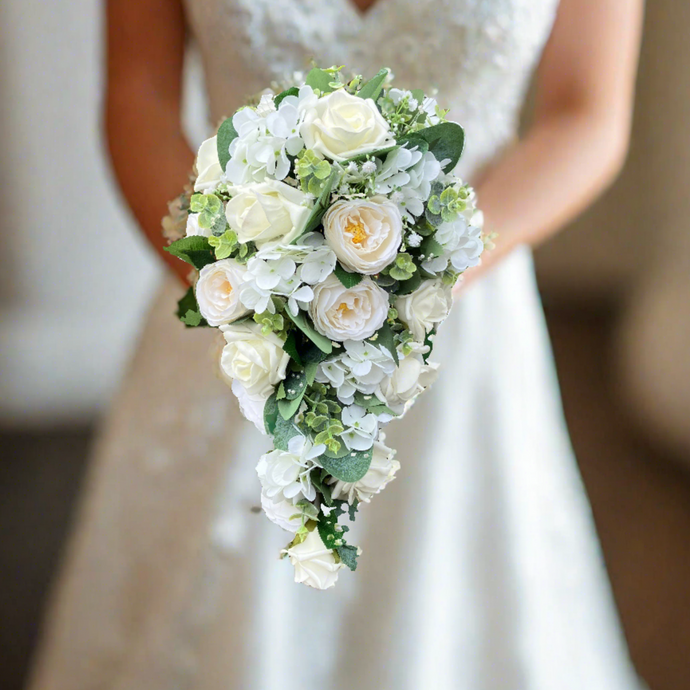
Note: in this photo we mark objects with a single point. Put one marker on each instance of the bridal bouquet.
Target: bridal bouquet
(327, 229)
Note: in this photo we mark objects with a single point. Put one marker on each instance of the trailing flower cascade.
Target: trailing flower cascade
(326, 229)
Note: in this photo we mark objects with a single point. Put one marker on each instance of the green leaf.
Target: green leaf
(226, 134)
(372, 89)
(290, 346)
(188, 310)
(351, 467)
(283, 431)
(288, 408)
(301, 321)
(386, 338)
(195, 250)
(292, 91)
(411, 284)
(319, 79)
(379, 153)
(320, 207)
(431, 248)
(409, 142)
(418, 95)
(446, 141)
(317, 479)
(310, 372)
(348, 555)
(333, 535)
(271, 414)
(348, 279)
(295, 382)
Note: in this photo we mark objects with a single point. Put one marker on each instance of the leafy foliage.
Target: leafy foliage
(333, 534)
(373, 88)
(194, 250)
(320, 79)
(226, 135)
(188, 310)
(348, 279)
(349, 466)
(292, 91)
(321, 205)
(323, 343)
(445, 140)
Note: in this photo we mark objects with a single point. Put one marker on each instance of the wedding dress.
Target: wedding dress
(480, 566)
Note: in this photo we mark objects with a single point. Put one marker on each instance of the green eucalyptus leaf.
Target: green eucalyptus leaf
(372, 89)
(271, 414)
(411, 284)
(288, 408)
(283, 431)
(319, 79)
(348, 279)
(446, 140)
(350, 467)
(295, 384)
(379, 153)
(301, 321)
(310, 372)
(348, 555)
(431, 248)
(188, 310)
(194, 250)
(320, 207)
(226, 134)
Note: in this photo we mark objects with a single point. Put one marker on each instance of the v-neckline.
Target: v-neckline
(362, 13)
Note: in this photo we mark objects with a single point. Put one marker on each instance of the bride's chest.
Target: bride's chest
(416, 38)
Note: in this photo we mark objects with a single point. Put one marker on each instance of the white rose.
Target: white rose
(282, 513)
(218, 292)
(410, 378)
(381, 471)
(354, 313)
(427, 306)
(314, 564)
(208, 166)
(255, 360)
(286, 474)
(365, 235)
(340, 126)
(251, 407)
(267, 211)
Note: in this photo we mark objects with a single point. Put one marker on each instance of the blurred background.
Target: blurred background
(75, 279)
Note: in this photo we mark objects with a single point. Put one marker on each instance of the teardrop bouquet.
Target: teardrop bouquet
(326, 230)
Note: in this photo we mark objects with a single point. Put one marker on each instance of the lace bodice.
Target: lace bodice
(478, 53)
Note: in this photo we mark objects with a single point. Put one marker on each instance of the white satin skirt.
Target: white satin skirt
(480, 569)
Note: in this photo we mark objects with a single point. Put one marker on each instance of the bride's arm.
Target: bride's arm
(149, 153)
(579, 138)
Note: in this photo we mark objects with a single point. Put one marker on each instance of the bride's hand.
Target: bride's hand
(579, 138)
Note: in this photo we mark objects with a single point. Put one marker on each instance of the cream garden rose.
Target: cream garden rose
(208, 166)
(410, 378)
(381, 471)
(218, 292)
(340, 126)
(255, 361)
(315, 565)
(364, 234)
(268, 211)
(354, 313)
(427, 306)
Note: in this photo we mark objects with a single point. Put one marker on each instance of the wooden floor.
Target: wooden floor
(641, 502)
